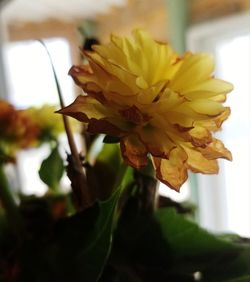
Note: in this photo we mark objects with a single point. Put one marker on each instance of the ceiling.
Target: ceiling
(39, 10)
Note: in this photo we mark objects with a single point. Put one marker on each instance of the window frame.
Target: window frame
(211, 190)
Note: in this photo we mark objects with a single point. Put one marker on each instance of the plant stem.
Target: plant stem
(79, 186)
(9, 205)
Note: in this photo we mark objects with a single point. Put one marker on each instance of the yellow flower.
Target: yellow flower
(158, 103)
(50, 124)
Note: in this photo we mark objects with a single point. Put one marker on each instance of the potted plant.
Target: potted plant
(148, 115)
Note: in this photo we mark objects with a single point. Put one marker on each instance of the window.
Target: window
(224, 200)
(31, 83)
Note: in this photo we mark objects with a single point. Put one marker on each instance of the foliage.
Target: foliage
(51, 170)
(121, 238)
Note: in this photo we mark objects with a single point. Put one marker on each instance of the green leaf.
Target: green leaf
(51, 170)
(195, 249)
(111, 139)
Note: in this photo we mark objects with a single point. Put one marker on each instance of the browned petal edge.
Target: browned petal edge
(133, 151)
(96, 126)
(80, 69)
(204, 165)
(181, 128)
(222, 117)
(133, 114)
(200, 142)
(75, 71)
(177, 186)
(72, 109)
(214, 171)
(157, 152)
(98, 95)
(215, 150)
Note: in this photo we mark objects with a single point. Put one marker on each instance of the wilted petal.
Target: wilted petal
(85, 108)
(156, 141)
(104, 126)
(134, 115)
(215, 150)
(134, 152)
(199, 136)
(172, 171)
(214, 124)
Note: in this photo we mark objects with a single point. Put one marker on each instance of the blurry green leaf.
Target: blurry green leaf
(195, 249)
(51, 170)
(234, 269)
(80, 245)
(185, 237)
(111, 139)
(169, 247)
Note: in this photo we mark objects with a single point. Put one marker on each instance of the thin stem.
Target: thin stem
(81, 189)
(71, 141)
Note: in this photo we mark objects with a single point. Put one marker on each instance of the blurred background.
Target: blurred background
(218, 27)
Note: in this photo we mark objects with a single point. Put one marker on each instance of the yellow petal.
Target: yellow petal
(121, 73)
(167, 100)
(211, 85)
(182, 119)
(194, 69)
(147, 96)
(204, 106)
(200, 94)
